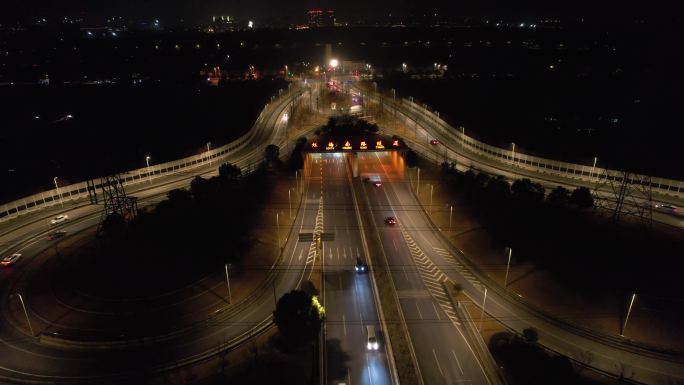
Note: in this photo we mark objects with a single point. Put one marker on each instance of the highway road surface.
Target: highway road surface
(348, 296)
(609, 356)
(444, 354)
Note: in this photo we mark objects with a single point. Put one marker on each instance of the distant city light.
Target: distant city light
(250, 24)
(334, 63)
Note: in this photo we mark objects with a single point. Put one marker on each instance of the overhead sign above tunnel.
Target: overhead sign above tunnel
(376, 144)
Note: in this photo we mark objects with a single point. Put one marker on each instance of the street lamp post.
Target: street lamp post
(61, 199)
(432, 187)
(230, 298)
(149, 175)
(289, 201)
(629, 311)
(23, 305)
(593, 167)
(209, 149)
(278, 228)
(484, 300)
(513, 154)
(297, 180)
(508, 265)
(418, 183)
(451, 211)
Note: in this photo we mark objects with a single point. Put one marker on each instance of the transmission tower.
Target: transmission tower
(625, 193)
(116, 201)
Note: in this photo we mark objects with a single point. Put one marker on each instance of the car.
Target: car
(361, 266)
(372, 343)
(377, 184)
(435, 142)
(10, 259)
(56, 234)
(366, 179)
(665, 207)
(59, 219)
(391, 221)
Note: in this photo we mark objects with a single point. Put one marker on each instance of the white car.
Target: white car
(666, 208)
(59, 219)
(372, 338)
(10, 259)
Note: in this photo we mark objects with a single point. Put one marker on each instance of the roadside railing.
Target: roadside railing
(78, 191)
(667, 190)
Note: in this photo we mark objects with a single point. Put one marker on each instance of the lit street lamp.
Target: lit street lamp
(629, 311)
(451, 211)
(149, 175)
(23, 305)
(508, 265)
(278, 228)
(484, 300)
(513, 154)
(61, 199)
(432, 187)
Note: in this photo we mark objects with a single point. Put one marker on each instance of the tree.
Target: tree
(559, 197)
(179, 196)
(497, 191)
(526, 192)
(411, 158)
(530, 335)
(581, 198)
(230, 171)
(272, 152)
(298, 317)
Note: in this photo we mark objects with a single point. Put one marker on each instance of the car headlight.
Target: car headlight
(369, 346)
(363, 268)
(376, 346)
(357, 268)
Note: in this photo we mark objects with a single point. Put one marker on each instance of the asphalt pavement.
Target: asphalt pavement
(444, 354)
(348, 296)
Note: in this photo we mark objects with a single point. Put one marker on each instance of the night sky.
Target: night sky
(195, 11)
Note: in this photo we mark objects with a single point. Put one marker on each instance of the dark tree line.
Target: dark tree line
(526, 363)
(193, 230)
(347, 125)
(560, 231)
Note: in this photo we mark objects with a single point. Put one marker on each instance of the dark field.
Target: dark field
(115, 127)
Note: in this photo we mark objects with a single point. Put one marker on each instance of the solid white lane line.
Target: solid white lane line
(434, 354)
(458, 363)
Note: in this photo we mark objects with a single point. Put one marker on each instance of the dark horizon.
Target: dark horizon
(278, 12)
